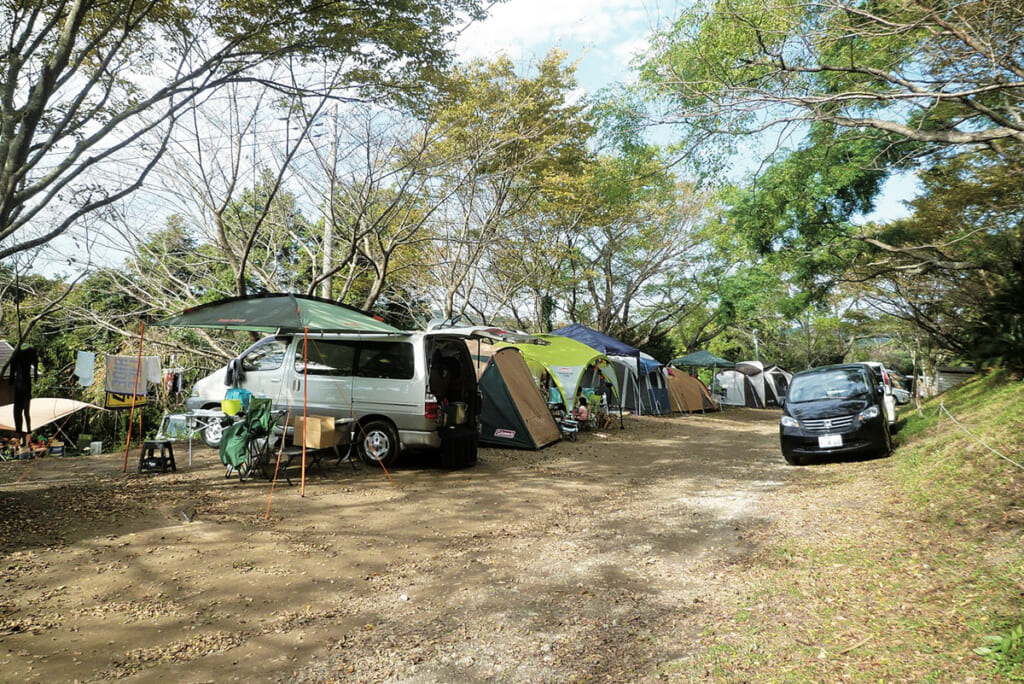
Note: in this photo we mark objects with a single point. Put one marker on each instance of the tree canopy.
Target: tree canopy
(91, 89)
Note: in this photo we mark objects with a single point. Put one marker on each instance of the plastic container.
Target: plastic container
(455, 414)
(242, 395)
(95, 448)
(57, 449)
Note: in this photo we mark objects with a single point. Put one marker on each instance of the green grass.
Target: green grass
(921, 580)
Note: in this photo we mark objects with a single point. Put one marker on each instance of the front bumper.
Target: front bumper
(866, 438)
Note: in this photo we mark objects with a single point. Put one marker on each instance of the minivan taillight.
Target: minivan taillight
(431, 410)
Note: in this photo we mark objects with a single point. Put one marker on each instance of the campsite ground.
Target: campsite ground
(615, 558)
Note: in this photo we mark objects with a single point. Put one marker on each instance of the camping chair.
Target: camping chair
(247, 446)
(568, 428)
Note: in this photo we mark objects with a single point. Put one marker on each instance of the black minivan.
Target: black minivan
(834, 411)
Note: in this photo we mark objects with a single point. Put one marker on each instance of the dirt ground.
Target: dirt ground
(601, 559)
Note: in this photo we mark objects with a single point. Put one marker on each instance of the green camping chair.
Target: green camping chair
(247, 445)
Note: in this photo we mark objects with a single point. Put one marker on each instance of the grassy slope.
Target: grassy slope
(890, 570)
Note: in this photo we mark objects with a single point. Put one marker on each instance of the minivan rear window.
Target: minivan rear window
(364, 359)
(385, 360)
(328, 357)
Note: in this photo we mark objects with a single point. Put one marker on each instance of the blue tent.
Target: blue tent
(646, 371)
(598, 340)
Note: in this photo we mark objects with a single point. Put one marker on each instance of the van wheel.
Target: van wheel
(212, 433)
(377, 442)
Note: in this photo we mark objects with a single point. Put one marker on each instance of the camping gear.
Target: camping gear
(644, 384)
(633, 369)
(568, 428)
(246, 445)
(231, 407)
(43, 411)
(241, 394)
(150, 462)
(278, 312)
(514, 413)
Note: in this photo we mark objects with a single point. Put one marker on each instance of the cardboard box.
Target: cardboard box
(320, 432)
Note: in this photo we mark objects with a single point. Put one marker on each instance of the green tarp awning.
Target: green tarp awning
(284, 312)
(701, 359)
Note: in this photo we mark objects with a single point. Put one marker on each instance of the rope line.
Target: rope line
(976, 438)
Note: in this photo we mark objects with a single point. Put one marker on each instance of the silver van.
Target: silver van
(414, 390)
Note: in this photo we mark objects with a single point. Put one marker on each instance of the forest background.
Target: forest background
(169, 154)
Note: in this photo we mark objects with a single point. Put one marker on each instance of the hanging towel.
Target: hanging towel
(85, 367)
(154, 374)
(122, 371)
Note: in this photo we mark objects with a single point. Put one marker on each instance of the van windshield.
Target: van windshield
(267, 355)
(838, 383)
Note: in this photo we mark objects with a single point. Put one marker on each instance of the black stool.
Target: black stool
(150, 462)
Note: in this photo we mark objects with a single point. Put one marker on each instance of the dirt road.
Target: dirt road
(598, 559)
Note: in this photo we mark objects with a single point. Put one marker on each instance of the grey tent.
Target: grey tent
(739, 386)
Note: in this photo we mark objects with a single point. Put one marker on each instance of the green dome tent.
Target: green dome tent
(569, 364)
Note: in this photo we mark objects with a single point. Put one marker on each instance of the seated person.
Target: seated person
(582, 411)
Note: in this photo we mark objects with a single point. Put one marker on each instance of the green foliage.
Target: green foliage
(870, 88)
(1006, 651)
(997, 339)
(101, 75)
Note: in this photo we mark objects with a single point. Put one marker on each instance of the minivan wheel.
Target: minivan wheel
(377, 442)
(212, 433)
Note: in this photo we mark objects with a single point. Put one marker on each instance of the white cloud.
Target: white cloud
(603, 35)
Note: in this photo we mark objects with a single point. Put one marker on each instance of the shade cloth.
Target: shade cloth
(43, 411)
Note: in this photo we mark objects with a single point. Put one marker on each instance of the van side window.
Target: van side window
(266, 357)
(327, 357)
(385, 360)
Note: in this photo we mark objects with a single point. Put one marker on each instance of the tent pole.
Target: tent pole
(636, 388)
(135, 388)
(305, 377)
